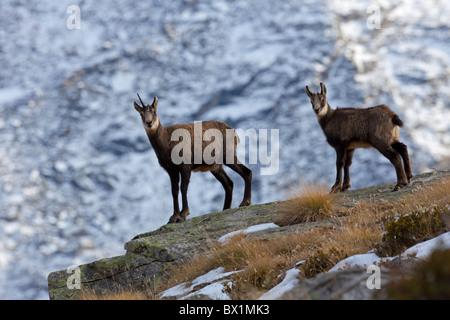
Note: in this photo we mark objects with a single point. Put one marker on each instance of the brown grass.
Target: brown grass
(436, 194)
(262, 261)
(305, 202)
(258, 259)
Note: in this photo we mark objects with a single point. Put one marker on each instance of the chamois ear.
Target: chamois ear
(323, 89)
(136, 106)
(309, 93)
(155, 103)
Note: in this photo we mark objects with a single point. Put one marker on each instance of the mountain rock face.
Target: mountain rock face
(149, 255)
(78, 177)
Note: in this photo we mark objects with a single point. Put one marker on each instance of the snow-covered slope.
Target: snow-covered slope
(77, 175)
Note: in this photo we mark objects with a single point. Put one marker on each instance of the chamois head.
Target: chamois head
(319, 100)
(148, 114)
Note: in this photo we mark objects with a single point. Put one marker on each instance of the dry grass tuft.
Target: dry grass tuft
(306, 202)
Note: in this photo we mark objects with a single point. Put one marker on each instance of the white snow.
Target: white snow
(212, 276)
(123, 82)
(420, 250)
(288, 283)
(424, 249)
(363, 260)
(178, 290)
(213, 290)
(259, 227)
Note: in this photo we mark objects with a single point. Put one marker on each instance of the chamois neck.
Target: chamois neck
(157, 137)
(330, 110)
(323, 118)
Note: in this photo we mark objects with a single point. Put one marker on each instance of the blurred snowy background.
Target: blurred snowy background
(78, 177)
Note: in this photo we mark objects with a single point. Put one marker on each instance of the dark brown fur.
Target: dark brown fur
(160, 139)
(349, 128)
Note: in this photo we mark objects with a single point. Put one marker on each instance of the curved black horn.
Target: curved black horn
(141, 100)
(323, 89)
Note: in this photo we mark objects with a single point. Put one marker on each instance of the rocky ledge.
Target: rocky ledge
(148, 256)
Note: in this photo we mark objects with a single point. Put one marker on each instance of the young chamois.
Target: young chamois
(349, 128)
(165, 139)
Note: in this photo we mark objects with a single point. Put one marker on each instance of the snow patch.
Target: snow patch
(420, 250)
(289, 282)
(212, 276)
(178, 290)
(363, 260)
(259, 227)
(213, 290)
(424, 249)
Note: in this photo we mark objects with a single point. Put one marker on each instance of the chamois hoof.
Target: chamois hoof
(344, 188)
(183, 215)
(399, 186)
(335, 188)
(245, 203)
(174, 218)
(178, 217)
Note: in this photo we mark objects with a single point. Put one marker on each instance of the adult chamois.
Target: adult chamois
(179, 159)
(349, 128)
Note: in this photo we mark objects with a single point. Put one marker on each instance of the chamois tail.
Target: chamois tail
(397, 121)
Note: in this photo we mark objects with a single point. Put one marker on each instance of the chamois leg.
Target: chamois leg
(227, 184)
(348, 162)
(396, 160)
(246, 174)
(402, 149)
(175, 180)
(340, 155)
(185, 177)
